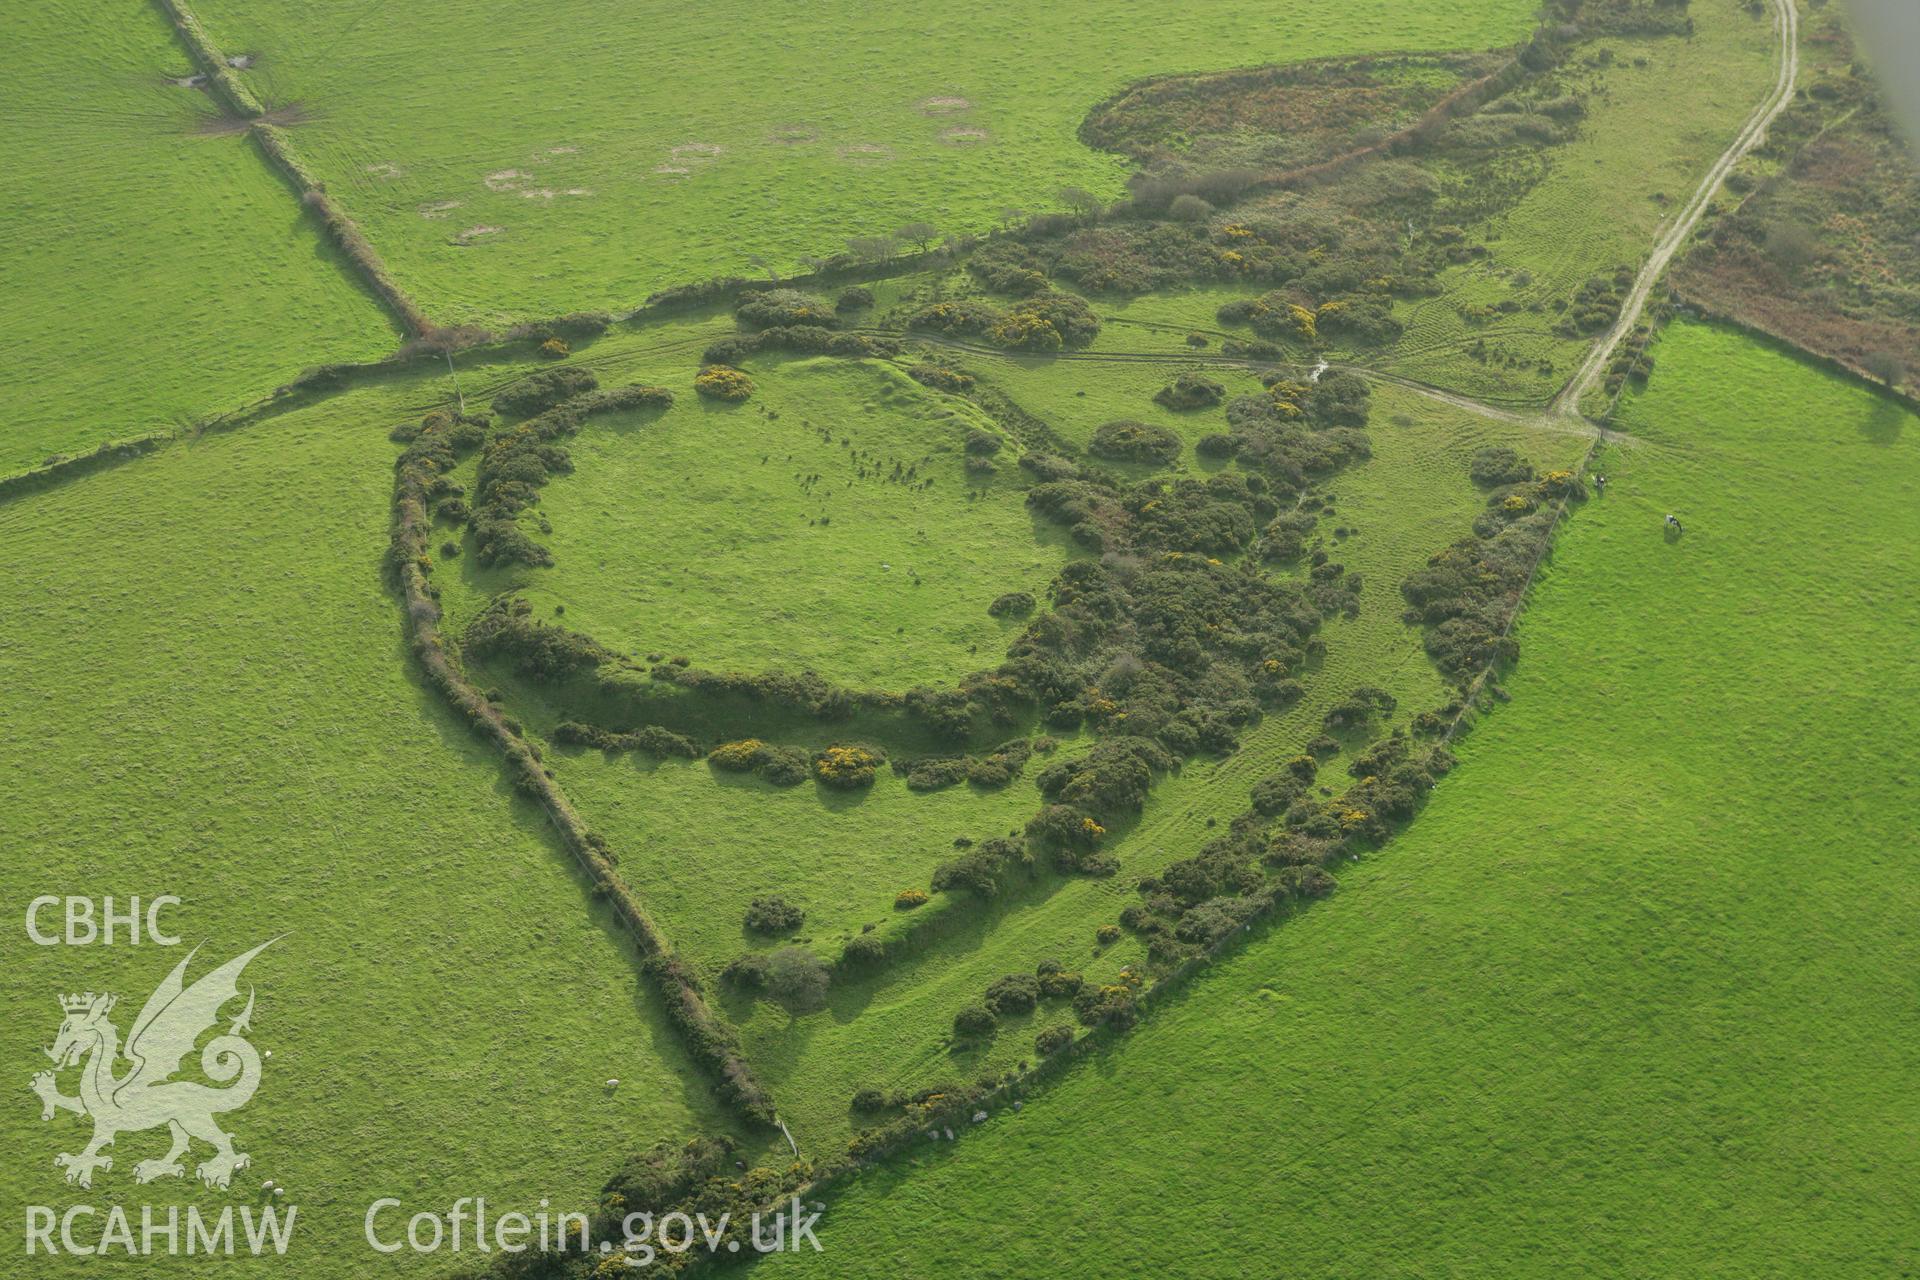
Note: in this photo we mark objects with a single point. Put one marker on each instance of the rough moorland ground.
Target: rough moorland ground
(1619, 1001)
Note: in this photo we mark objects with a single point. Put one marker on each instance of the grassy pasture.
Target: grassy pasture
(511, 161)
(843, 858)
(703, 532)
(149, 273)
(1633, 994)
(208, 695)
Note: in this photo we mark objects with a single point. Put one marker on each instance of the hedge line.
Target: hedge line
(341, 229)
(109, 454)
(272, 141)
(1780, 342)
(226, 86)
(709, 1038)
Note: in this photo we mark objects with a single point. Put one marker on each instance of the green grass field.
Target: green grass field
(208, 696)
(513, 161)
(706, 532)
(1619, 1002)
(150, 273)
(1631, 995)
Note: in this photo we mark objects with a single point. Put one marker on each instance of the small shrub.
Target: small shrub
(1134, 442)
(973, 1022)
(747, 971)
(1107, 934)
(544, 391)
(1052, 1040)
(1015, 993)
(771, 913)
(1498, 465)
(868, 1101)
(1190, 391)
(783, 307)
(908, 899)
(982, 444)
(863, 951)
(856, 298)
(555, 349)
(1014, 604)
(1062, 984)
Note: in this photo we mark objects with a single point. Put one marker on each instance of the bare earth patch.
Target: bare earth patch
(439, 208)
(548, 193)
(866, 153)
(944, 106)
(963, 135)
(472, 234)
(794, 135)
(384, 170)
(506, 179)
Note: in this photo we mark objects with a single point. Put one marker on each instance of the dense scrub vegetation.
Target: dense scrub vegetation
(1819, 251)
(518, 461)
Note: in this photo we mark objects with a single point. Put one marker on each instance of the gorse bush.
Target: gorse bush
(1190, 391)
(786, 307)
(782, 766)
(771, 913)
(506, 630)
(543, 391)
(847, 768)
(1043, 322)
(723, 382)
(1134, 442)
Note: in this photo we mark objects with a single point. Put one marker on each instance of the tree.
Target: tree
(1189, 208)
(1886, 366)
(919, 234)
(797, 978)
(873, 248)
(1081, 201)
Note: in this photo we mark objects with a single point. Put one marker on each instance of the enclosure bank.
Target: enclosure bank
(84, 1231)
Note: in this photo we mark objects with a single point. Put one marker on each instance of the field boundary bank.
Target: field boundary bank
(272, 143)
(1706, 313)
(709, 1039)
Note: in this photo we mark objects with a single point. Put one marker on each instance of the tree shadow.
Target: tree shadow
(1884, 424)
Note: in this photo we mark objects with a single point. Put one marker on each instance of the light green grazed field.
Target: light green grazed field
(1625, 1000)
(778, 534)
(515, 160)
(208, 695)
(150, 273)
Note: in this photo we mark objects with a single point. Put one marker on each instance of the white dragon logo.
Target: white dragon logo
(163, 1035)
